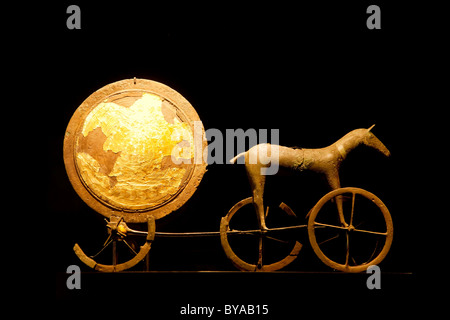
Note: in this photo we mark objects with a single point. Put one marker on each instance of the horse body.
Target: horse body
(325, 161)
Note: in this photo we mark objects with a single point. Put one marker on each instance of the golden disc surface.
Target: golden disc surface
(133, 148)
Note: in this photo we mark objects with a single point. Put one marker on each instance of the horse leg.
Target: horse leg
(257, 182)
(258, 202)
(334, 183)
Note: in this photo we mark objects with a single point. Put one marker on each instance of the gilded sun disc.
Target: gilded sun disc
(126, 148)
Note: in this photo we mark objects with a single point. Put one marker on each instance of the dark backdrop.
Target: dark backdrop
(313, 71)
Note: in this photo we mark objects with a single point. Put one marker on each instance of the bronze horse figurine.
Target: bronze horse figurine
(325, 161)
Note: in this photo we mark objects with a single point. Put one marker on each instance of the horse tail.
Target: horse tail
(233, 161)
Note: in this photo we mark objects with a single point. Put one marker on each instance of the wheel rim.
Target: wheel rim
(354, 256)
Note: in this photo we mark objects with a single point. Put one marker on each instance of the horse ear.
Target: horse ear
(368, 130)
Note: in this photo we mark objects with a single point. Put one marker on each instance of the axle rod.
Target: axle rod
(211, 233)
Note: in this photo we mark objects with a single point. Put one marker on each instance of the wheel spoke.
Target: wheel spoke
(353, 208)
(114, 253)
(107, 243)
(332, 238)
(373, 252)
(276, 239)
(371, 232)
(329, 225)
(129, 246)
(348, 250)
(260, 253)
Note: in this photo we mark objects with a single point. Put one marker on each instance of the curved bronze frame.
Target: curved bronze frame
(132, 216)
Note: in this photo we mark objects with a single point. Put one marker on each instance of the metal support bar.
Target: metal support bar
(211, 233)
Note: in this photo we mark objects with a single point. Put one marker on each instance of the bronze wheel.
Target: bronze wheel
(365, 239)
(252, 249)
(130, 252)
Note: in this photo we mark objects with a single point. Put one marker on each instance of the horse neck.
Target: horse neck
(347, 143)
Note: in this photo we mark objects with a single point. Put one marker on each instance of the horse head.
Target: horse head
(370, 140)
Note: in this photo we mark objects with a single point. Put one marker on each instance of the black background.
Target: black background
(312, 70)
